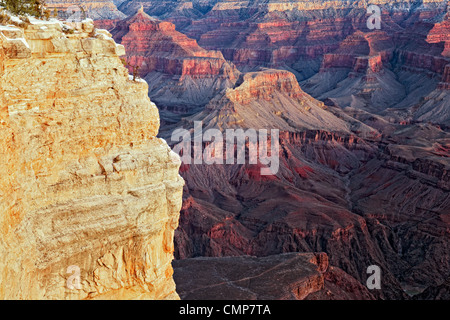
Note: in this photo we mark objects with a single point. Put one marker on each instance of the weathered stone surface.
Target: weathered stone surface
(378, 195)
(327, 44)
(13, 43)
(84, 181)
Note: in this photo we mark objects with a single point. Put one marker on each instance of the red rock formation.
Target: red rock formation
(267, 99)
(347, 212)
(301, 37)
(142, 35)
(178, 70)
(232, 210)
(441, 33)
(228, 211)
(375, 67)
(339, 285)
(272, 44)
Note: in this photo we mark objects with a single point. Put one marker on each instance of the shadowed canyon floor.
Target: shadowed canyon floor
(302, 275)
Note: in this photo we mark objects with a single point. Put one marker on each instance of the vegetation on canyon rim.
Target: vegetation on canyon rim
(31, 7)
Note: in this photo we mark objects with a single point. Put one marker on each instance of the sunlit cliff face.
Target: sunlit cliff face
(86, 188)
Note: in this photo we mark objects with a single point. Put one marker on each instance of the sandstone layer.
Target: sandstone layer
(362, 176)
(85, 184)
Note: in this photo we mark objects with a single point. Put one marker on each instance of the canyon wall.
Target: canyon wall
(85, 185)
(182, 76)
(398, 71)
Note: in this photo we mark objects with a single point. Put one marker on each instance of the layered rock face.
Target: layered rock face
(86, 188)
(181, 12)
(182, 75)
(398, 70)
(267, 99)
(435, 107)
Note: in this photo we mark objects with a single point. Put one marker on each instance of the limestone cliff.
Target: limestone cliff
(84, 181)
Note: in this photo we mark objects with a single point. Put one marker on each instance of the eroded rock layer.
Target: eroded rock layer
(85, 184)
(399, 70)
(182, 75)
(363, 176)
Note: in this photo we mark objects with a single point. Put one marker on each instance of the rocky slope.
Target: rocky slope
(182, 75)
(354, 193)
(298, 275)
(334, 193)
(84, 181)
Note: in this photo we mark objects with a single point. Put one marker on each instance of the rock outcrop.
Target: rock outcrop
(267, 99)
(435, 106)
(86, 188)
(182, 75)
(360, 177)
